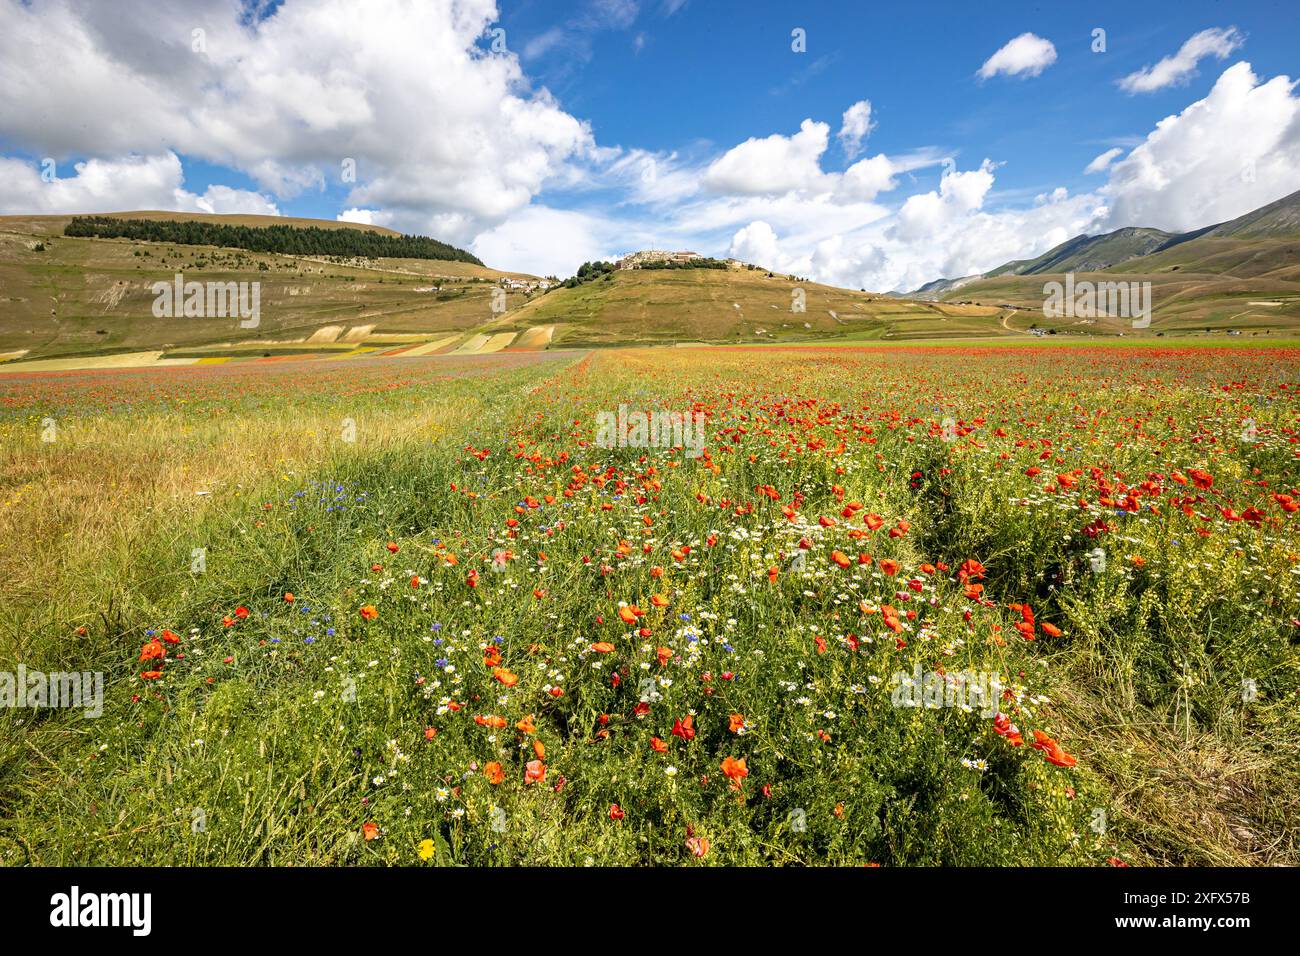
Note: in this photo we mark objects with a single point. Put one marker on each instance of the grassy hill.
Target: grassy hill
(62, 296)
(1208, 284)
(739, 304)
(1242, 275)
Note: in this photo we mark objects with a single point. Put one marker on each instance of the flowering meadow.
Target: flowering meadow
(905, 606)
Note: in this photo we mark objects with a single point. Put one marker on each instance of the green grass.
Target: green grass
(287, 732)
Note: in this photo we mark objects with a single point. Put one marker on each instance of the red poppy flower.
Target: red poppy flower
(735, 770)
(685, 729)
(1052, 750)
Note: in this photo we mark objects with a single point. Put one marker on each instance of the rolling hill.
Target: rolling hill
(738, 304)
(69, 299)
(1277, 220)
(66, 296)
(1241, 276)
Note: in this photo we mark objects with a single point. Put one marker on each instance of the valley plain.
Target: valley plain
(949, 582)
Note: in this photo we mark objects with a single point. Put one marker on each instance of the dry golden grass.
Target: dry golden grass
(1197, 800)
(78, 506)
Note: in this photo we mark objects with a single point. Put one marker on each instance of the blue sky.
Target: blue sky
(542, 133)
(698, 77)
(724, 71)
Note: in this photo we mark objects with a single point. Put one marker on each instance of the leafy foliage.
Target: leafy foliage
(703, 263)
(286, 240)
(588, 272)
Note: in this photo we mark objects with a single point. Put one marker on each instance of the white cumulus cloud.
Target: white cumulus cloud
(757, 243)
(545, 241)
(1101, 162)
(867, 178)
(445, 136)
(1026, 55)
(774, 164)
(119, 184)
(1181, 66)
(1222, 156)
(855, 126)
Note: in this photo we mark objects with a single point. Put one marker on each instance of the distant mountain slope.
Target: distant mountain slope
(933, 290)
(1277, 220)
(1090, 253)
(69, 296)
(1242, 275)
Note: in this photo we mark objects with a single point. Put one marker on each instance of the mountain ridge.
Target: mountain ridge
(1084, 253)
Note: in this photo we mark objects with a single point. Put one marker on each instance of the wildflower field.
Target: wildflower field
(906, 606)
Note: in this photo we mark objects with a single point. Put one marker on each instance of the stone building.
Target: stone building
(634, 260)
